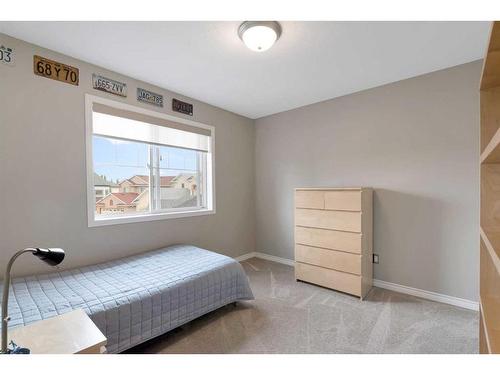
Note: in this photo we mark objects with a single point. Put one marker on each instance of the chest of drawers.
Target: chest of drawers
(333, 238)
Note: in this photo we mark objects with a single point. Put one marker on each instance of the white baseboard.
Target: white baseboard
(433, 296)
(246, 256)
(272, 258)
(443, 298)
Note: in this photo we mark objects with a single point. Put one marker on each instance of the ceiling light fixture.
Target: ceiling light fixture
(259, 35)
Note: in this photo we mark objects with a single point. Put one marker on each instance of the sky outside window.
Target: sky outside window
(119, 160)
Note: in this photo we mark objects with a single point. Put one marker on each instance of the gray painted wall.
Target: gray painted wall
(416, 142)
(43, 175)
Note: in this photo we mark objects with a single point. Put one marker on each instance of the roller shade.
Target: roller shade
(122, 124)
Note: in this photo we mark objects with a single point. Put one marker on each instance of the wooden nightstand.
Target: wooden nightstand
(71, 333)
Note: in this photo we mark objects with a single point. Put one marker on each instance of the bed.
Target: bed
(136, 298)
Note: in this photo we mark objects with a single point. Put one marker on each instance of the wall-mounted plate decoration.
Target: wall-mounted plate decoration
(55, 70)
(182, 107)
(149, 97)
(7, 55)
(109, 85)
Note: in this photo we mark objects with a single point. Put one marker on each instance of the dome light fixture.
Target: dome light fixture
(259, 36)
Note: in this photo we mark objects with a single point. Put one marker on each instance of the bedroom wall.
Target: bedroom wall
(43, 174)
(416, 142)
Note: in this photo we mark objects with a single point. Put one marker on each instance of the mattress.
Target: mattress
(136, 298)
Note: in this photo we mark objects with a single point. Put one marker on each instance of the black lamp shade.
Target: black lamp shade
(52, 256)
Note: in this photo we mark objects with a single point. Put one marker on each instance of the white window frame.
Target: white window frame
(148, 216)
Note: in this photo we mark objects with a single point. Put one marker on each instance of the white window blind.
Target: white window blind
(121, 124)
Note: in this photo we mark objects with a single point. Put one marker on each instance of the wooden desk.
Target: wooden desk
(71, 333)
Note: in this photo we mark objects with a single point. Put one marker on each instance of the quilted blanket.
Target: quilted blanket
(136, 298)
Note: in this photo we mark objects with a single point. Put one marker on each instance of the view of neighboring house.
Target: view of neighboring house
(185, 181)
(139, 183)
(132, 194)
(117, 202)
(103, 187)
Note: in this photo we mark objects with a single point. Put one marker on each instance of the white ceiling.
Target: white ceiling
(311, 62)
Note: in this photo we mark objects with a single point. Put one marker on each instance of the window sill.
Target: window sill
(147, 217)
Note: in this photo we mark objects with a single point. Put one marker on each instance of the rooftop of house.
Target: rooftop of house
(102, 181)
(125, 198)
(187, 176)
(143, 180)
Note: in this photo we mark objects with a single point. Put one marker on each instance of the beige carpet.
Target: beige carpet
(294, 317)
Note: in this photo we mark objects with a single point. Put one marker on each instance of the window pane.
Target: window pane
(179, 178)
(121, 176)
(134, 175)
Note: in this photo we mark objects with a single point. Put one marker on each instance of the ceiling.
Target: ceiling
(311, 62)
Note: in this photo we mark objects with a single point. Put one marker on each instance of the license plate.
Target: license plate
(149, 97)
(55, 70)
(109, 85)
(6, 55)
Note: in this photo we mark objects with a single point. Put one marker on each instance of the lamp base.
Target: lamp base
(17, 349)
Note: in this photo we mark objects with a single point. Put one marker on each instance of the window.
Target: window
(145, 165)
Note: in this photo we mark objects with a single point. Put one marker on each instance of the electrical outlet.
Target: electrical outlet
(375, 258)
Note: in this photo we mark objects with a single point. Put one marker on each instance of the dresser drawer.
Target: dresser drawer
(339, 220)
(310, 199)
(344, 282)
(349, 200)
(337, 260)
(329, 239)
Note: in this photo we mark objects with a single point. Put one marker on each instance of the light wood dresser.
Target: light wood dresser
(333, 238)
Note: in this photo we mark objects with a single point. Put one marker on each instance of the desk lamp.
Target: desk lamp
(50, 256)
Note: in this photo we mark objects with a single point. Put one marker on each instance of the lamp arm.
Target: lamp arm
(5, 297)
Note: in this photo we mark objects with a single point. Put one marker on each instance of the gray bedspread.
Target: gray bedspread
(136, 298)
